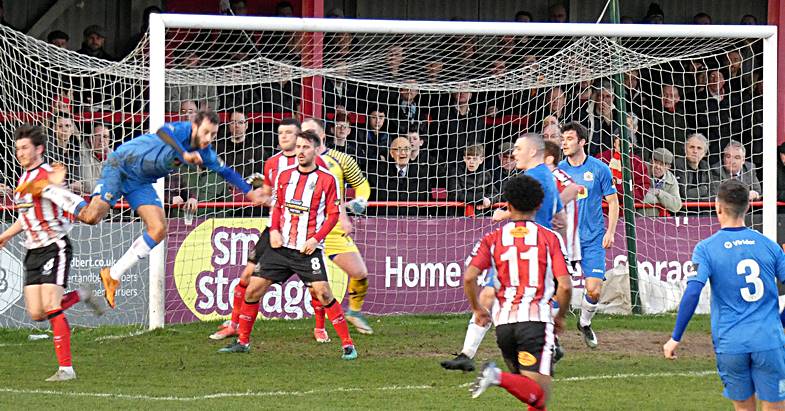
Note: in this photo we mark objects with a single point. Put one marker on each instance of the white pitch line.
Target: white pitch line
(260, 394)
(121, 336)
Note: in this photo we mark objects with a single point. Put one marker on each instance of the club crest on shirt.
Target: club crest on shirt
(588, 176)
(312, 185)
(519, 232)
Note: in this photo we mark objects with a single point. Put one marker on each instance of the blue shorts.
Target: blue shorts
(593, 260)
(761, 373)
(115, 183)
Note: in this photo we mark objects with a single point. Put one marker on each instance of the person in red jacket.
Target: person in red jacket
(640, 180)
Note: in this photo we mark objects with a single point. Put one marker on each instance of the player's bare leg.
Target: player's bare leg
(155, 231)
(335, 313)
(257, 287)
(229, 328)
(352, 263)
(529, 387)
(771, 406)
(319, 332)
(588, 308)
(43, 303)
(475, 333)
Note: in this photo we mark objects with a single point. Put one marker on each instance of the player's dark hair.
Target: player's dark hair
(206, 114)
(734, 196)
(34, 133)
(552, 149)
(578, 128)
(523, 193)
(311, 136)
(290, 121)
(316, 121)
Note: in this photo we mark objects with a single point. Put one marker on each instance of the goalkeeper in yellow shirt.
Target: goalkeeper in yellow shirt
(338, 245)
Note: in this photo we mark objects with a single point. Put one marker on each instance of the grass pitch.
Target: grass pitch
(398, 369)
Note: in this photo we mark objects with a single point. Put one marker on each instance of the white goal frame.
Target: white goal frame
(160, 22)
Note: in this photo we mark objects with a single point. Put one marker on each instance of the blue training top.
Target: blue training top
(551, 203)
(596, 177)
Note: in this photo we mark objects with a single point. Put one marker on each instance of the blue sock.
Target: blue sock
(589, 299)
(149, 240)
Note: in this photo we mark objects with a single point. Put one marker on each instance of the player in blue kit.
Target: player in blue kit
(595, 177)
(130, 172)
(743, 267)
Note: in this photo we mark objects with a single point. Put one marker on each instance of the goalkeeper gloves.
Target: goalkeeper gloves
(357, 206)
(256, 180)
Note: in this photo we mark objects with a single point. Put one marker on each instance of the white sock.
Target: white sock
(587, 312)
(474, 336)
(139, 250)
(63, 198)
(69, 370)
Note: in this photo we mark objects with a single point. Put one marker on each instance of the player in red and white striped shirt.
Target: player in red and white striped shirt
(48, 259)
(305, 209)
(568, 193)
(528, 258)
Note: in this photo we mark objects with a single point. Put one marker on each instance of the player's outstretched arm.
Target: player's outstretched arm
(10, 232)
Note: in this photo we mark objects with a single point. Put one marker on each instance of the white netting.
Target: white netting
(437, 96)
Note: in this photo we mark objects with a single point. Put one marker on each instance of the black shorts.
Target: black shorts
(281, 263)
(50, 264)
(527, 346)
(257, 252)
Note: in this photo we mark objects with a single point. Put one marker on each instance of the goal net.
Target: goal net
(430, 120)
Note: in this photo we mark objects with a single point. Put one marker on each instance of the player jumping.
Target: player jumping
(305, 209)
(130, 172)
(528, 258)
(48, 258)
(596, 178)
(743, 267)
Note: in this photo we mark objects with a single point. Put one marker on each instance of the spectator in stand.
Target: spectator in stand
(58, 38)
(654, 15)
(94, 43)
(284, 9)
(553, 111)
(497, 103)
(781, 173)
(692, 171)
(701, 19)
(91, 159)
(503, 168)
(734, 165)
(206, 95)
(552, 132)
(664, 191)
(748, 20)
(599, 116)
(665, 124)
(3, 21)
(239, 148)
(376, 138)
(281, 96)
(635, 98)
(339, 93)
(640, 174)
(335, 13)
(405, 109)
(65, 146)
(421, 156)
(186, 109)
(400, 181)
(341, 140)
(470, 182)
(523, 16)
(557, 14)
(454, 129)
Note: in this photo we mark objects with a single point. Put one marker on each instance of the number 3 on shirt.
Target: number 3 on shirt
(751, 271)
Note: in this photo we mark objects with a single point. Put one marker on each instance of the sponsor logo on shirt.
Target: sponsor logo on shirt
(737, 243)
(296, 207)
(526, 359)
(519, 232)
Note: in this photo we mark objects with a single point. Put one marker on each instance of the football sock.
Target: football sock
(62, 337)
(247, 318)
(358, 289)
(523, 388)
(318, 313)
(237, 302)
(139, 250)
(473, 339)
(335, 314)
(69, 299)
(64, 199)
(588, 308)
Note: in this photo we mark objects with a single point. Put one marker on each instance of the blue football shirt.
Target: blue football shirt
(596, 177)
(551, 203)
(742, 267)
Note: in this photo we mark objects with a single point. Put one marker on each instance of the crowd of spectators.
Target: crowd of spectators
(691, 123)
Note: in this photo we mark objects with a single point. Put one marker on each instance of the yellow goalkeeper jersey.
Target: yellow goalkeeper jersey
(346, 170)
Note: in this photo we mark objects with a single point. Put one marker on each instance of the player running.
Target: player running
(529, 158)
(305, 209)
(130, 172)
(48, 259)
(595, 177)
(528, 258)
(338, 245)
(287, 137)
(743, 267)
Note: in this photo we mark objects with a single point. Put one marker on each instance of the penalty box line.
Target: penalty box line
(327, 391)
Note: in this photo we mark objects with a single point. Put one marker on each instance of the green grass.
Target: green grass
(398, 369)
